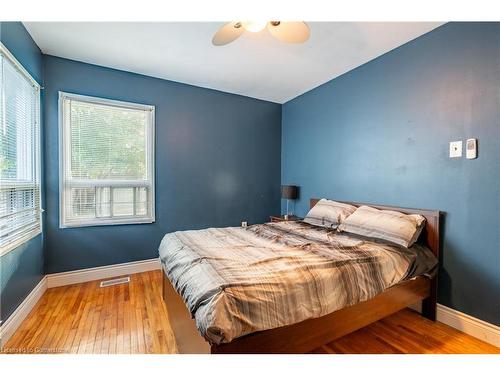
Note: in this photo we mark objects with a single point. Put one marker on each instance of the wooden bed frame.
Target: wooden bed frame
(307, 335)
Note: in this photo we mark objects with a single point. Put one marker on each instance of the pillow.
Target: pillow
(391, 226)
(328, 213)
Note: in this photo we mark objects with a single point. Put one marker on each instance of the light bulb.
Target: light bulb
(254, 26)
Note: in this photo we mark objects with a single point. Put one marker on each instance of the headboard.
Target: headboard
(430, 234)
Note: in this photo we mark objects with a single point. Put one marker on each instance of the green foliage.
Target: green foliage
(7, 164)
(107, 142)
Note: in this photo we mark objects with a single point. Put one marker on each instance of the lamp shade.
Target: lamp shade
(289, 191)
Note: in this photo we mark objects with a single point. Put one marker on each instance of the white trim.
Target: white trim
(107, 102)
(107, 221)
(468, 324)
(18, 65)
(107, 183)
(480, 329)
(21, 240)
(64, 145)
(17, 317)
(98, 273)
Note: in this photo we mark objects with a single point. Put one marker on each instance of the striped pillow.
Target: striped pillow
(328, 213)
(391, 226)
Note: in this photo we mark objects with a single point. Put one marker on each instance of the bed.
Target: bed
(290, 287)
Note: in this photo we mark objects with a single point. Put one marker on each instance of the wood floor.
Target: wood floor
(84, 318)
(131, 318)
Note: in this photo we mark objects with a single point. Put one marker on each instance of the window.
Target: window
(107, 163)
(20, 212)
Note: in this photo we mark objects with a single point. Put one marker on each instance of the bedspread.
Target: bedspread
(241, 280)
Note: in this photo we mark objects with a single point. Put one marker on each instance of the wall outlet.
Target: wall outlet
(456, 149)
(244, 224)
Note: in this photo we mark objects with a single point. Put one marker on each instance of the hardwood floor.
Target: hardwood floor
(131, 318)
(409, 333)
(84, 318)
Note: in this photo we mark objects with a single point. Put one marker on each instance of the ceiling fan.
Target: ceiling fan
(290, 32)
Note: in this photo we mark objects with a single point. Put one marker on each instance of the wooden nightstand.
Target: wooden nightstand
(276, 219)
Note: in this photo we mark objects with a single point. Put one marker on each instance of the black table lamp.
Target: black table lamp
(289, 192)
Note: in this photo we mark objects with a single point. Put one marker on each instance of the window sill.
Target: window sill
(99, 223)
(21, 241)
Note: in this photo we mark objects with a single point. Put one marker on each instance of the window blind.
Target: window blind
(19, 155)
(107, 161)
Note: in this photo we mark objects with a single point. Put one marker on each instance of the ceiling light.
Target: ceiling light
(288, 32)
(254, 26)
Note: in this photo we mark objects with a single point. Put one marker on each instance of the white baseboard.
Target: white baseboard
(17, 317)
(480, 329)
(475, 327)
(104, 272)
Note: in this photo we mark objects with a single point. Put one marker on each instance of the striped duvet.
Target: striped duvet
(236, 281)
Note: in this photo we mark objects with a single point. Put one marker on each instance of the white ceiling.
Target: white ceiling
(255, 65)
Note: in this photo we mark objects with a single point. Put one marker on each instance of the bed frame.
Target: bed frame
(307, 335)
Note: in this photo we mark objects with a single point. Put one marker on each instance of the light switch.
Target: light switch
(456, 149)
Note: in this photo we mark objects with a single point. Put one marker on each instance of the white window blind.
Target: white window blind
(107, 169)
(20, 212)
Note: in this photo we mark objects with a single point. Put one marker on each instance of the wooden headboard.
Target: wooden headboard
(430, 234)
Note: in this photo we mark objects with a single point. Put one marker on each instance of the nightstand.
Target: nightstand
(277, 219)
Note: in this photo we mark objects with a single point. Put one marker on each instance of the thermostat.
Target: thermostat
(471, 148)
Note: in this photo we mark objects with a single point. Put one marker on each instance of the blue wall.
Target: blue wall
(217, 163)
(380, 134)
(22, 268)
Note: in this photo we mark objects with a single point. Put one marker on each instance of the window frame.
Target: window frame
(64, 155)
(37, 230)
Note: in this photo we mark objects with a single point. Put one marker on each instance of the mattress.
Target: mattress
(236, 281)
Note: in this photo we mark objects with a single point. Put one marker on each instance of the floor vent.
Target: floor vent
(121, 280)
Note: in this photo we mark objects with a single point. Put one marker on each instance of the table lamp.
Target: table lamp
(289, 192)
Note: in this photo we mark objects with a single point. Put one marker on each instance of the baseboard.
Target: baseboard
(104, 272)
(480, 329)
(475, 327)
(17, 317)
